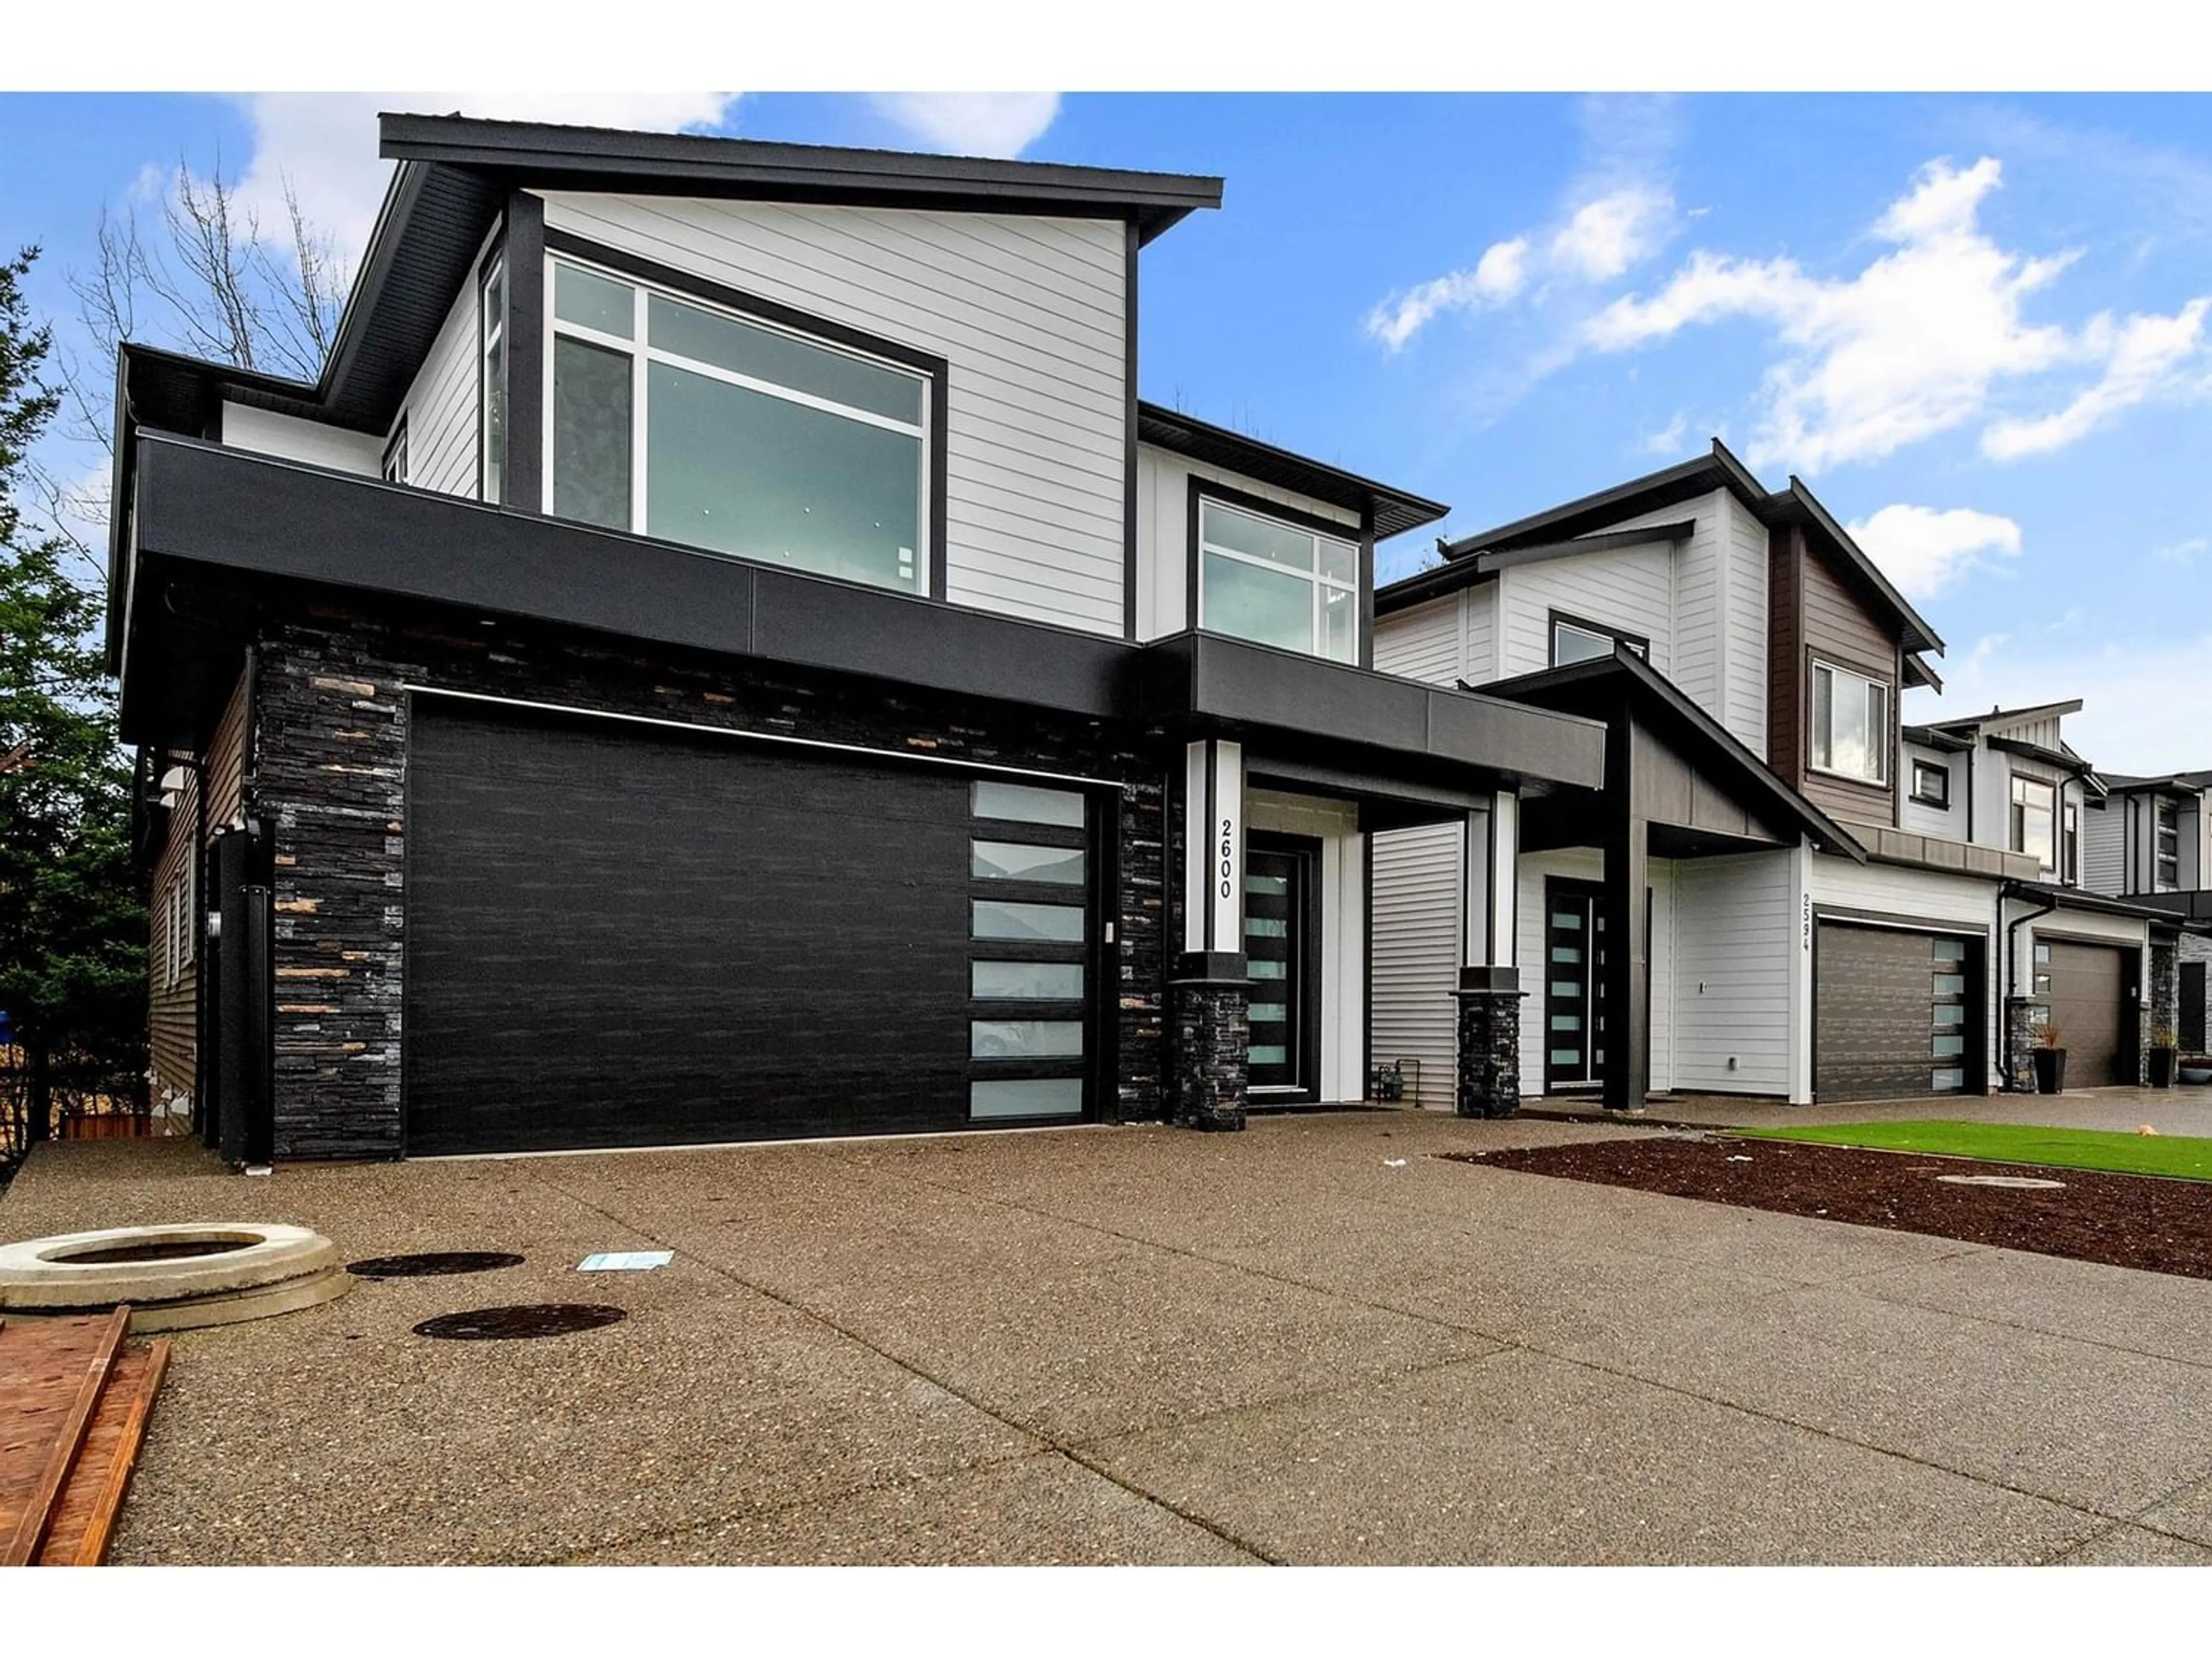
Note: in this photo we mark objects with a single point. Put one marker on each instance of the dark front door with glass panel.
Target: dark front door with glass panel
(1574, 984)
(1282, 944)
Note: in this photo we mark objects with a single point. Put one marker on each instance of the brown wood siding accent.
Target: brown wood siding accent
(1785, 654)
(226, 762)
(1839, 629)
(172, 1019)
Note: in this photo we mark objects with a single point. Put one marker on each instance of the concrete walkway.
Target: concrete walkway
(1310, 1342)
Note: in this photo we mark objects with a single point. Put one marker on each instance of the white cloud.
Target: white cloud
(1668, 438)
(2146, 357)
(1606, 236)
(1923, 550)
(2182, 552)
(972, 122)
(1497, 277)
(1918, 343)
(325, 142)
(2131, 720)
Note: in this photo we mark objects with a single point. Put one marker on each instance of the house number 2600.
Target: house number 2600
(1228, 857)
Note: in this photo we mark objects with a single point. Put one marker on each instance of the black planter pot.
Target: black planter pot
(2162, 1061)
(2050, 1071)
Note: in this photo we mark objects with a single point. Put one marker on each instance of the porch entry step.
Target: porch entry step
(74, 1404)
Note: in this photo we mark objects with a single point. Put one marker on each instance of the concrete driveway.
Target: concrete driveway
(1147, 1345)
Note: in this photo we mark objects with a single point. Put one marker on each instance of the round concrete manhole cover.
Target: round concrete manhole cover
(510, 1324)
(2016, 1183)
(434, 1264)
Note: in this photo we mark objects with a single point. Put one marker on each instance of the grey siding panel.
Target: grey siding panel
(1416, 942)
(1733, 934)
(1028, 315)
(244, 427)
(2103, 849)
(441, 405)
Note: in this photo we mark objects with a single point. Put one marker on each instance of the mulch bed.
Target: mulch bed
(2127, 1221)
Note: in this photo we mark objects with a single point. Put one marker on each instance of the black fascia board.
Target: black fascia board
(1198, 681)
(267, 520)
(1455, 574)
(1745, 777)
(1394, 510)
(2036, 751)
(1934, 737)
(2103, 904)
(1680, 482)
(1917, 673)
(549, 157)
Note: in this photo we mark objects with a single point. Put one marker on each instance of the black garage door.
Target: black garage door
(1896, 1014)
(616, 937)
(2090, 991)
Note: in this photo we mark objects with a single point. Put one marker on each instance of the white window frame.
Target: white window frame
(1941, 799)
(1321, 584)
(2159, 881)
(642, 353)
(1878, 732)
(491, 333)
(2016, 818)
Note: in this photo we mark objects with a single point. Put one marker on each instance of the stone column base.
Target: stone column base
(1210, 1011)
(1489, 1080)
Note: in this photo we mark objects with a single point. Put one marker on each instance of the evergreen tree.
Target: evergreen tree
(72, 924)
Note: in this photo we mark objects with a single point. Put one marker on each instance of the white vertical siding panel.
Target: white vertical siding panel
(1734, 933)
(1029, 314)
(441, 405)
(1416, 950)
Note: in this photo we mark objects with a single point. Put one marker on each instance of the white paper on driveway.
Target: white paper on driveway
(625, 1261)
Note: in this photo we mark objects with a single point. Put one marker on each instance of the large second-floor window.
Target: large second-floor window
(2167, 847)
(2035, 819)
(721, 431)
(1851, 725)
(1275, 583)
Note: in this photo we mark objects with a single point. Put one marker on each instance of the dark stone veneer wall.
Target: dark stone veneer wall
(331, 748)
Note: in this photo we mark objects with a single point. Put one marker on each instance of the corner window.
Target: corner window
(2168, 846)
(2035, 819)
(492, 396)
(1574, 640)
(1851, 725)
(1273, 583)
(675, 419)
(1932, 784)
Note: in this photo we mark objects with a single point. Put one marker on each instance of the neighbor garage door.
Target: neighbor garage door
(2091, 995)
(1897, 1013)
(621, 937)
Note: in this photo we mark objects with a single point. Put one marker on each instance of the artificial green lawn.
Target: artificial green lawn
(2122, 1152)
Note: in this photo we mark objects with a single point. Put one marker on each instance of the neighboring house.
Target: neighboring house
(2149, 840)
(1781, 890)
(723, 651)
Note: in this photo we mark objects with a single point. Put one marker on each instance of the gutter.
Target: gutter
(2011, 936)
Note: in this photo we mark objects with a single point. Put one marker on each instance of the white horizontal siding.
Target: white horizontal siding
(267, 433)
(1423, 642)
(1735, 932)
(1922, 819)
(1027, 313)
(441, 405)
(1163, 534)
(2103, 849)
(1478, 619)
(1416, 950)
(1629, 588)
(1742, 707)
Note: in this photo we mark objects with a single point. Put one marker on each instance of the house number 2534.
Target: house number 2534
(1228, 857)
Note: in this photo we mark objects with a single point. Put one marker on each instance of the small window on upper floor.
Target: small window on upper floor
(2035, 820)
(395, 454)
(1275, 583)
(1574, 640)
(1851, 725)
(1932, 784)
(723, 431)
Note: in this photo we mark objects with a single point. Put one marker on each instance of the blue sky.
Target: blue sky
(1975, 325)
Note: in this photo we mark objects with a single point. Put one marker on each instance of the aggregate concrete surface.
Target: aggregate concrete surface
(1147, 1344)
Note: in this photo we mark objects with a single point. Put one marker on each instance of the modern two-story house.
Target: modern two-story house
(723, 652)
(2148, 840)
(1785, 891)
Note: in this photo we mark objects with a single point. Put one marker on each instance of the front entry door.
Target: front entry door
(1574, 984)
(1282, 942)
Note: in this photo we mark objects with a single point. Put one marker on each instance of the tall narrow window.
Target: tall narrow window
(2070, 846)
(493, 401)
(1851, 725)
(2034, 819)
(721, 431)
(1274, 583)
(2168, 846)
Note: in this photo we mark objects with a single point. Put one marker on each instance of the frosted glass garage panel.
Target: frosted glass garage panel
(1057, 1096)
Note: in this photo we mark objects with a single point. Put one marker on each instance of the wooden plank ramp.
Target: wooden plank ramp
(73, 1408)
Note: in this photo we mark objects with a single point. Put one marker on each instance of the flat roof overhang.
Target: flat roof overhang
(213, 530)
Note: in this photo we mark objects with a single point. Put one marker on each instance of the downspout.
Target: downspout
(2011, 936)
